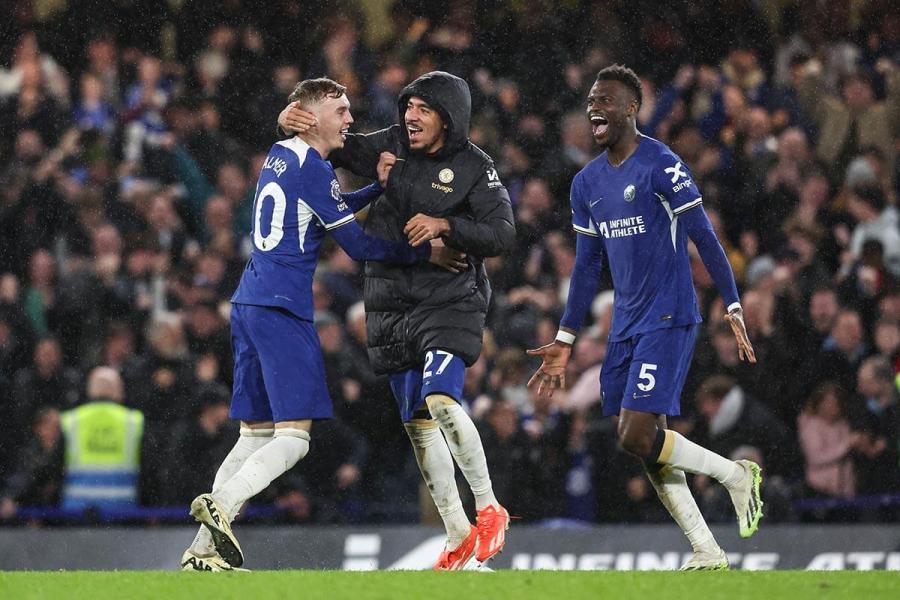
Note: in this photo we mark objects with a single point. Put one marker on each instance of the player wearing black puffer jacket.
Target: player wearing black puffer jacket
(425, 325)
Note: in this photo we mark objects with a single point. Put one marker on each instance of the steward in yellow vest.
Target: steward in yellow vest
(102, 447)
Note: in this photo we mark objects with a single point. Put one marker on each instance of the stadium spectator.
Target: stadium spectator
(878, 423)
(206, 438)
(855, 118)
(731, 418)
(102, 442)
(510, 457)
(841, 353)
(37, 477)
(828, 442)
(47, 383)
(875, 221)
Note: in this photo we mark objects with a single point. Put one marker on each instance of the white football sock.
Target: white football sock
(262, 468)
(685, 455)
(672, 488)
(248, 442)
(436, 465)
(465, 445)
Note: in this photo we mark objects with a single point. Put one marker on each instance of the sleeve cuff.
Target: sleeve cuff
(733, 306)
(338, 223)
(591, 232)
(688, 206)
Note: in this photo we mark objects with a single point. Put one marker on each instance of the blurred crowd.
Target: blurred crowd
(133, 133)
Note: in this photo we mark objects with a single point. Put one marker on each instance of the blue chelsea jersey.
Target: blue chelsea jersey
(297, 201)
(633, 209)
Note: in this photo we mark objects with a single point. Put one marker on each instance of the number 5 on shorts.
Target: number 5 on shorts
(648, 381)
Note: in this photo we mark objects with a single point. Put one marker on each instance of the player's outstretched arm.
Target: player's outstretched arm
(361, 246)
(360, 153)
(362, 197)
(700, 230)
(582, 287)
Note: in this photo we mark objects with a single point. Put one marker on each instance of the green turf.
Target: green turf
(518, 585)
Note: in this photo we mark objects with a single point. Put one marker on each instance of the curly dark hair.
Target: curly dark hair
(626, 76)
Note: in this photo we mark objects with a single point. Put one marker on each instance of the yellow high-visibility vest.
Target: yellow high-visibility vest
(103, 455)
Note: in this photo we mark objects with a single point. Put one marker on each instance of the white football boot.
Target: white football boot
(207, 511)
(211, 564)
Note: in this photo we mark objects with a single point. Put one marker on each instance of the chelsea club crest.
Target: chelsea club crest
(335, 190)
(446, 175)
(629, 193)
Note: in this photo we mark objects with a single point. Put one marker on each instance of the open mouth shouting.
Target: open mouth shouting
(344, 132)
(599, 125)
(415, 133)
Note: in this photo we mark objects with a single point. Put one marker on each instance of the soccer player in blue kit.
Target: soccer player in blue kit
(279, 374)
(637, 205)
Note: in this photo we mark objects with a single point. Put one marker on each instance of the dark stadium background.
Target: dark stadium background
(123, 231)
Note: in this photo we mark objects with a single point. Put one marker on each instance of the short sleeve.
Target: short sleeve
(581, 215)
(322, 193)
(673, 181)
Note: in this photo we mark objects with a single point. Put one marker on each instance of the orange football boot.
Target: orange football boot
(456, 559)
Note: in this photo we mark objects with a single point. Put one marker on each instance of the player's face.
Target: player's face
(334, 121)
(424, 125)
(610, 105)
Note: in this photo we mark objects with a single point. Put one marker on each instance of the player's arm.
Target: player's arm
(324, 199)
(488, 231)
(363, 197)
(360, 152)
(674, 182)
(582, 288)
(362, 246)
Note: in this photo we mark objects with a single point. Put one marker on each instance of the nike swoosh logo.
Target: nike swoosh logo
(595, 202)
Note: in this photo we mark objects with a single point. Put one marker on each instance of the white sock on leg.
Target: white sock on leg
(262, 468)
(436, 465)
(685, 455)
(465, 445)
(248, 442)
(674, 493)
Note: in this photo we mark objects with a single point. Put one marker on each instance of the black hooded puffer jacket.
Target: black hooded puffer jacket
(411, 309)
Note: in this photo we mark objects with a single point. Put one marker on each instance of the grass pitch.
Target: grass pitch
(518, 585)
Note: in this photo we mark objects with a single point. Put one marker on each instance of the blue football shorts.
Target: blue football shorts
(646, 372)
(279, 373)
(442, 373)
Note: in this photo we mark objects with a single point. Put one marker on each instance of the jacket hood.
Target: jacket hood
(450, 96)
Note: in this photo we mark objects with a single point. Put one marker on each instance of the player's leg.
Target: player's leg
(436, 464)
(294, 376)
(249, 405)
(289, 444)
(442, 383)
(202, 555)
(657, 375)
(673, 491)
(216, 511)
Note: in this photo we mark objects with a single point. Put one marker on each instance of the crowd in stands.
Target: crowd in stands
(133, 133)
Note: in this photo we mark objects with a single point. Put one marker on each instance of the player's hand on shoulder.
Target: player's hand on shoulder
(422, 228)
(735, 318)
(294, 119)
(447, 258)
(386, 162)
(552, 372)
